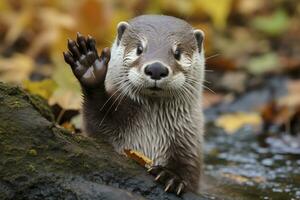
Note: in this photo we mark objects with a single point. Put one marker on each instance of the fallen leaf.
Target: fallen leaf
(68, 126)
(243, 179)
(44, 88)
(234, 121)
(264, 63)
(272, 25)
(138, 157)
(181, 7)
(247, 7)
(234, 81)
(16, 68)
(217, 10)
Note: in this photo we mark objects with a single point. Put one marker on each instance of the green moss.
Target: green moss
(9, 89)
(30, 143)
(16, 95)
(32, 152)
(31, 168)
(78, 138)
(41, 105)
(15, 104)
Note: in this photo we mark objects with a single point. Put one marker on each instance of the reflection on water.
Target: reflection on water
(239, 167)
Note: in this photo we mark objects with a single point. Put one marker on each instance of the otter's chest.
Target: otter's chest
(152, 132)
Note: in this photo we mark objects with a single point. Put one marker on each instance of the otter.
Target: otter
(145, 94)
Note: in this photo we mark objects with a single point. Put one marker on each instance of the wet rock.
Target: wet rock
(39, 160)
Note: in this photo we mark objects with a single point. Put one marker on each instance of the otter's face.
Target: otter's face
(160, 62)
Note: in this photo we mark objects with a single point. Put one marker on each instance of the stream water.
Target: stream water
(244, 166)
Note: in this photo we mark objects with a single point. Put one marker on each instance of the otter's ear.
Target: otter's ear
(199, 35)
(122, 26)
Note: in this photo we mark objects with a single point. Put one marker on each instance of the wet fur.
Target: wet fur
(167, 128)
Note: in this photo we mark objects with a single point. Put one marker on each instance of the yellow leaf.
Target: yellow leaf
(181, 7)
(4, 6)
(138, 157)
(68, 126)
(218, 10)
(16, 68)
(234, 121)
(242, 179)
(43, 88)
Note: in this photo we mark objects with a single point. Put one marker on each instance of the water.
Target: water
(241, 166)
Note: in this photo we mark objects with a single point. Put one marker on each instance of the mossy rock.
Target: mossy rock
(39, 160)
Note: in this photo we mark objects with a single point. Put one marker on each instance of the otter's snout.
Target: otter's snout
(156, 71)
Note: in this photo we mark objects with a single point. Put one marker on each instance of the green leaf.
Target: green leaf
(264, 63)
(273, 25)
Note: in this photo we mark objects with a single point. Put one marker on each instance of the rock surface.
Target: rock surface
(39, 160)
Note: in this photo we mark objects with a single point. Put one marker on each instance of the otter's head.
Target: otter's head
(156, 56)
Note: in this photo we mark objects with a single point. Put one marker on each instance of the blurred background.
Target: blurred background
(252, 95)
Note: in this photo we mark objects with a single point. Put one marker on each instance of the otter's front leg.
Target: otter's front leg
(87, 66)
(181, 173)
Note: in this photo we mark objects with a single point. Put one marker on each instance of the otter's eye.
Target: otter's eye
(177, 54)
(139, 50)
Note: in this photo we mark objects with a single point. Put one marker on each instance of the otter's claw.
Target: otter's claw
(87, 66)
(172, 182)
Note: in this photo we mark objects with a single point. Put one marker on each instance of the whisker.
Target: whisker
(212, 56)
(111, 97)
(125, 92)
(204, 86)
(105, 115)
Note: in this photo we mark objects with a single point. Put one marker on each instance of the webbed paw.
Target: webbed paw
(87, 66)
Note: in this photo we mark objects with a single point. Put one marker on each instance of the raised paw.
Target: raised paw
(173, 183)
(87, 66)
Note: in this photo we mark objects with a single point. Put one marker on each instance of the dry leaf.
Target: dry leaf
(138, 157)
(242, 179)
(217, 10)
(68, 126)
(43, 88)
(16, 68)
(234, 121)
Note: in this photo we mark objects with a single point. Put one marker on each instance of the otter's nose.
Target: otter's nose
(156, 71)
